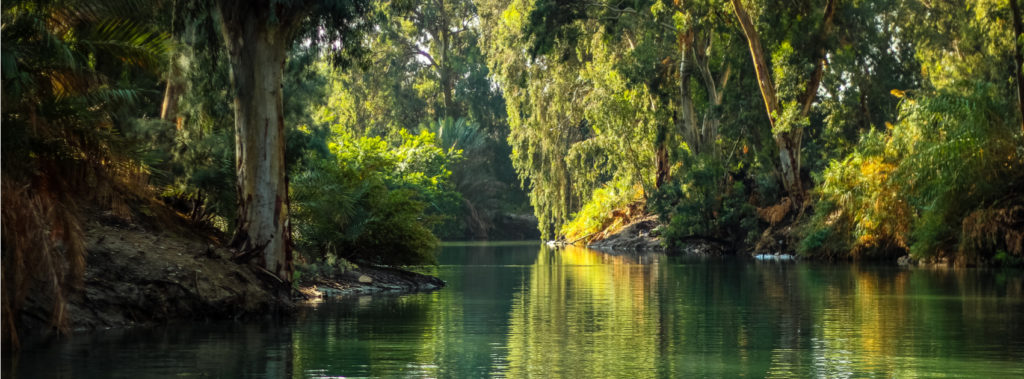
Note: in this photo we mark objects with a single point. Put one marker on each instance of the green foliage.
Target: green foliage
(473, 177)
(373, 202)
(584, 112)
(706, 200)
(859, 213)
(607, 211)
(73, 73)
(427, 64)
(960, 151)
(962, 41)
(912, 187)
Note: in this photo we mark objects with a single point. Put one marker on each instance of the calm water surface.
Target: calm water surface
(521, 310)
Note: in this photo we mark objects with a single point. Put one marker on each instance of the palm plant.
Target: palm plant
(473, 177)
(60, 138)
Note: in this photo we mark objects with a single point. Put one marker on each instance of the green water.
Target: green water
(520, 310)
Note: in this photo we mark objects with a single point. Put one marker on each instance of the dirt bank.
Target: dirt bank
(137, 275)
(643, 236)
(364, 280)
(637, 236)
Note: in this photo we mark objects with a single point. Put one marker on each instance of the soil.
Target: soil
(141, 275)
(637, 236)
(642, 236)
(364, 280)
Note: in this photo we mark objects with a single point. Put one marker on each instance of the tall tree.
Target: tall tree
(1018, 57)
(544, 115)
(427, 70)
(257, 36)
(787, 114)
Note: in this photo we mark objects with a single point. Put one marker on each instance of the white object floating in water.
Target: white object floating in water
(775, 257)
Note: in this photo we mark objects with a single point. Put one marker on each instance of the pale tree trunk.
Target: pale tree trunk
(446, 74)
(687, 115)
(700, 138)
(788, 142)
(764, 79)
(257, 50)
(1018, 58)
(712, 118)
(173, 90)
(789, 162)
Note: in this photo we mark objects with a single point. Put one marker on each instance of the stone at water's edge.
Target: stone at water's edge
(367, 280)
(634, 237)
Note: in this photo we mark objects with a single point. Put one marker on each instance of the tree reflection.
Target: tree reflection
(584, 314)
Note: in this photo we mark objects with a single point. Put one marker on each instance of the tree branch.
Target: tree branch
(819, 60)
(621, 11)
(764, 79)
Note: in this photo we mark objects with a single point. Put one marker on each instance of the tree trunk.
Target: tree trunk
(257, 50)
(1018, 58)
(789, 159)
(712, 118)
(764, 79)
(687, 115)
(447, 87)
(789, 148)
(662, 165)
(174, 89)
(788, 142)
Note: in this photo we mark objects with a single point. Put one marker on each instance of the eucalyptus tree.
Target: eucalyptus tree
(442, 32)
(424, 68)
(257, 37)
(790, 86)
(646, 76)
(673, 48)
(544, 115)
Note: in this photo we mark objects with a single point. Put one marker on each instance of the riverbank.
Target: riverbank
(137, 275)
(367, 280)
(644, 235)
(775, 243)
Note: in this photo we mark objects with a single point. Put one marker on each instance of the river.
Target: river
(523, 310)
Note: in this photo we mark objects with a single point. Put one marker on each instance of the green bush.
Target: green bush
(371, 202)
(911, 187)
(706, 200)
(608, 210)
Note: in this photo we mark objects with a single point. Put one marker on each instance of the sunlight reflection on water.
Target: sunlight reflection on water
(517, 310)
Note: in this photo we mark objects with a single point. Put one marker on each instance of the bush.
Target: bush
(913, 186)
(609, 209)
(707, 200)
(373, 203)
(860, 212)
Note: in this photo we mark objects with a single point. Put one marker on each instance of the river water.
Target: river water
(522, 310)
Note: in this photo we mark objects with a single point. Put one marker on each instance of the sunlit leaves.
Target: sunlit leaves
(911, 186)
(371, 201)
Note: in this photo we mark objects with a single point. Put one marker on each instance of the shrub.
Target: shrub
(914, 186)
(372, 203)
(609, 209)
(706, 200)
